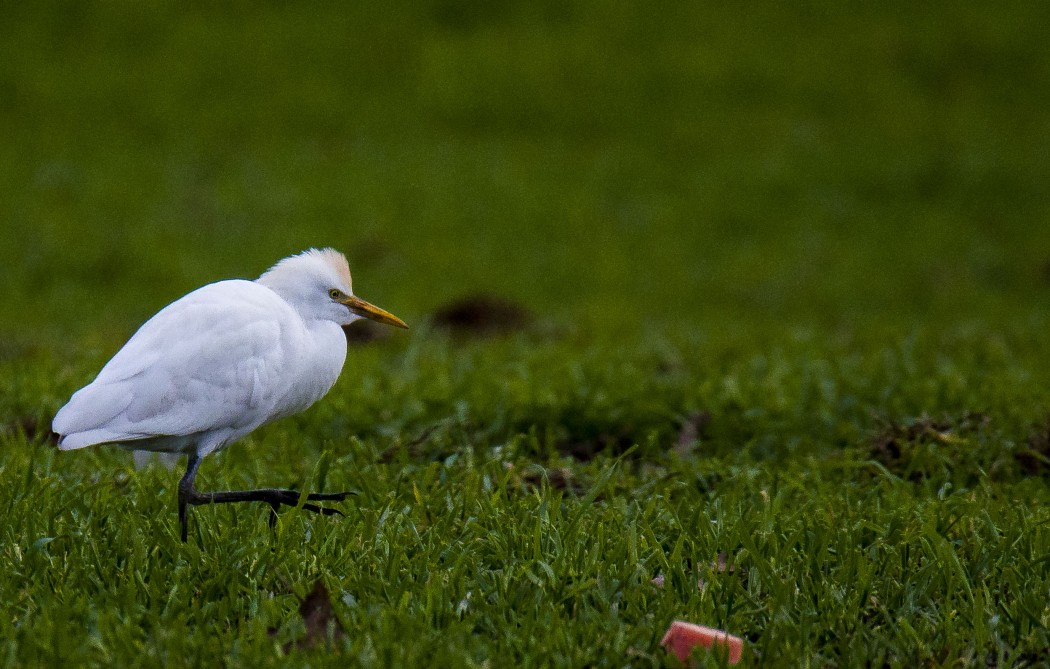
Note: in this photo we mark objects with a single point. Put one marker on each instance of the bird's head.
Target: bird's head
(317, 284)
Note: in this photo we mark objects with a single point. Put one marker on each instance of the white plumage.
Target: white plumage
(211, 367)
(220, 362)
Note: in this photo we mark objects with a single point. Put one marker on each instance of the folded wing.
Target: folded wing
(210, 362)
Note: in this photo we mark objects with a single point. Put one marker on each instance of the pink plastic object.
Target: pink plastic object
(683, 637)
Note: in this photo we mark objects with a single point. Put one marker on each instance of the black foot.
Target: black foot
(275, 497)
(291, 498)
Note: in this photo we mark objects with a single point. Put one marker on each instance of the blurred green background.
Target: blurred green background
(619, 167)
(797, 253)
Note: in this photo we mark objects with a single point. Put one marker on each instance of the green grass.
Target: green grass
(822, 231)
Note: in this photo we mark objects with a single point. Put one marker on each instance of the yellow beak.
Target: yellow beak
(371, 311)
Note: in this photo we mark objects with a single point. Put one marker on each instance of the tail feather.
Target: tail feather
(69, 442)
(89, 417)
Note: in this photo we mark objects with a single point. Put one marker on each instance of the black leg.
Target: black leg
(186, 490)
(275, 497)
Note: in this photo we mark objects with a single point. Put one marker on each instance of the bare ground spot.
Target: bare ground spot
(1035, 459)
(482, 315)
(558, 478)
(930, 446)
(32, 427)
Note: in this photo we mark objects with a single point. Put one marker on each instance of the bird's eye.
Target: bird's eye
(335, 293)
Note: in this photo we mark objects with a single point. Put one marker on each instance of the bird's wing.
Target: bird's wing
(209, 362)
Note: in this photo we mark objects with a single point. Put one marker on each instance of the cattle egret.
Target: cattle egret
(220, 362)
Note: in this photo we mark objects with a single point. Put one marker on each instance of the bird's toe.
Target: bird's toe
(328, 496)
(323, 510)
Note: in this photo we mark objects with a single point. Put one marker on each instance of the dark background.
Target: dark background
(688, 165)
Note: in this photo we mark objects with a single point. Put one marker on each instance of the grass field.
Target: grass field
(783, 274)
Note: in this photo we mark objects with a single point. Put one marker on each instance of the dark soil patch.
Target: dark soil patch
(32, 428)
(1035, 460)
(482, 315)
(903, 448)
(891, 444)
(586, 449)
(558, 478)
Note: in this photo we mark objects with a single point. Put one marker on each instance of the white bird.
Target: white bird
(220, 362)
